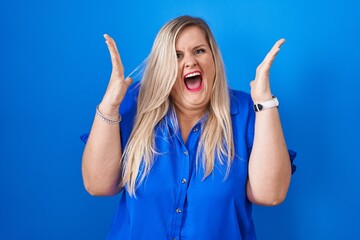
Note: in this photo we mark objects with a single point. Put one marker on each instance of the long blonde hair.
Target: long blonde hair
(159, 77)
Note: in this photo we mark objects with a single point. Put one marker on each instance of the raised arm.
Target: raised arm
(269, 164)
(101, 161)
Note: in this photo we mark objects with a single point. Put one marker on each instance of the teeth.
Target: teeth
(192, 74)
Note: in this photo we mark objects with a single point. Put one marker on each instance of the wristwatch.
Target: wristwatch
(267, 104)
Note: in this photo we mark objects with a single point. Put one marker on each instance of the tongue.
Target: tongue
(193, 83)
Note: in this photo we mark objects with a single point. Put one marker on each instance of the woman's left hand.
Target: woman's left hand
(260, 87)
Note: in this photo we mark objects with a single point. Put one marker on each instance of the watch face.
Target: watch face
(258, 107)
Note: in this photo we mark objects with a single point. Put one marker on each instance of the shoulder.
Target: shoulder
(128, 106)
(128, 110)
(133, 91)
(239, 101)
(130, 100)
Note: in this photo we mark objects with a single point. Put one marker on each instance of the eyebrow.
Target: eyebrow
(196, 47)
(201, 45)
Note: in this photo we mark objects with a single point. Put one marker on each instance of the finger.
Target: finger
(113, 41)
(274, 50)
(279, 43)
(270, 57)
(252, 83)
(114, 54)
(113, 49)
(128, 81)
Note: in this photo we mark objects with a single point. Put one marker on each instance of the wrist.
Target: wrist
(109, 109)
(272, 103)
(108, 119)
(262, 98)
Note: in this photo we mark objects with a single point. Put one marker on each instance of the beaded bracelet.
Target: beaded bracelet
(106, 118)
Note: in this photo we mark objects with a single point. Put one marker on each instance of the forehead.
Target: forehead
(191, 36)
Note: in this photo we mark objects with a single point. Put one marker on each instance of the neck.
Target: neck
(187, 118)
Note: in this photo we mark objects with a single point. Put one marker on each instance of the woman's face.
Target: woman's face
(196, 71)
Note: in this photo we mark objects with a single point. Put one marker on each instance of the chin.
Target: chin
(199, 98)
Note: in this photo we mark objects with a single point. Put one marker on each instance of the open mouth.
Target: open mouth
(193, 81)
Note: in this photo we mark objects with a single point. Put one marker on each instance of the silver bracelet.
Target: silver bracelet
(107, 118)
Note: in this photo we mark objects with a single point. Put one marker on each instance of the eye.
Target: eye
(200, 51)
(179, 55)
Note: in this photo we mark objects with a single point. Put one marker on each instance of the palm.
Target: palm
(118, 85)
(260, 87)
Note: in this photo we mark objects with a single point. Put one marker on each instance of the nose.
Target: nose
(190, 62)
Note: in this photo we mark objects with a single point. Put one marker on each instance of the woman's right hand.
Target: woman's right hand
(118, 85)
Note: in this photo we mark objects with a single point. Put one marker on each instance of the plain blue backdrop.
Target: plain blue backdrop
(54, 69)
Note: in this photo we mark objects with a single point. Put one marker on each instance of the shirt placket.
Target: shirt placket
(184, 177)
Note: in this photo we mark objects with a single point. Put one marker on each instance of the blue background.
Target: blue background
(54, 69)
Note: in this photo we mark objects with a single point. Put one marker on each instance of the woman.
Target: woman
(189, 156)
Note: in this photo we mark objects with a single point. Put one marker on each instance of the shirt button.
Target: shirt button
(183, 180)
(178, 210)
(186, 152)
(196, 129)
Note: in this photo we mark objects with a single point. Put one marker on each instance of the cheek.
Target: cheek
(178, 82)
(210, 76)
(177, 87)
(179, 78)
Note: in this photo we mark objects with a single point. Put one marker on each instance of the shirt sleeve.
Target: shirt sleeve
(84, 137)
(250, 125)
(127, 112)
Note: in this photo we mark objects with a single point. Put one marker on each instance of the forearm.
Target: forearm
(101, 161)
(269, 164)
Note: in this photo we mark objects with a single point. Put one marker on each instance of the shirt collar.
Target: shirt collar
(171, 114)
(172, 122)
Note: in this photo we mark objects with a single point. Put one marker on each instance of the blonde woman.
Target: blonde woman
(189, 156)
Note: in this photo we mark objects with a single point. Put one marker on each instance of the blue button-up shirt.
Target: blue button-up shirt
(174, 202)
